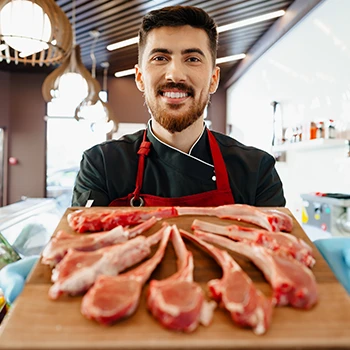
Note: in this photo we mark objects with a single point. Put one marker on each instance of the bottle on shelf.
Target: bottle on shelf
(331, 131)
(320, 132)
(313, 130)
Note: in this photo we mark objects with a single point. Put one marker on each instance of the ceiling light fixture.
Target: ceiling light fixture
(230, 58)
(252, 20)
(124, 73)
(123, 43)
(98, 113)
(220, 29)
(71, 77)
(33, 31)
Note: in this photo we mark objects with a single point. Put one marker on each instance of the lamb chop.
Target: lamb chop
(177, 302)
(277, 241)
(105, 219)
(114, 297)
(58, 246)
(235, 290)
(271, 220)
(77, 271)
(292, 282)
(93, 220)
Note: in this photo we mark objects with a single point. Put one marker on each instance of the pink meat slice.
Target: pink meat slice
(277, 241)
(94, 220)
(292, 282)
(271, 220)
(112, 298)
(78, 270)
(178, 302)
(58, 246)
(236, 292)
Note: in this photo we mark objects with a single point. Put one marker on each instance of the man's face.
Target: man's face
(176, 75)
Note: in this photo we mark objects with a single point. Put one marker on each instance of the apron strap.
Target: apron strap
(222, 181)
(143, 151)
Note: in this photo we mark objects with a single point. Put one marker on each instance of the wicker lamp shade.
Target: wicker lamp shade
(56, 46)
(72, 64)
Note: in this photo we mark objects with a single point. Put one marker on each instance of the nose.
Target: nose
(175, 72)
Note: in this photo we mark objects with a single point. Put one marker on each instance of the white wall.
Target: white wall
(308, 72)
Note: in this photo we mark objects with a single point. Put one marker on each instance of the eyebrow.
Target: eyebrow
(183, 52)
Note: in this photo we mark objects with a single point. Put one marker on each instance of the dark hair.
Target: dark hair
(177, 16)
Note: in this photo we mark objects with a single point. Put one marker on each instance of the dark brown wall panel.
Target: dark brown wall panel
(27, 134)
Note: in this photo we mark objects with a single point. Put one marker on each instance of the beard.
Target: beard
(169, 117)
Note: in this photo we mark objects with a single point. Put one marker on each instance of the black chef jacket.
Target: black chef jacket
(108, 171)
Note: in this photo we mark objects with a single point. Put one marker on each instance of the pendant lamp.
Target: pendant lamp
(34, 31)
(72, 76)
(97, 112)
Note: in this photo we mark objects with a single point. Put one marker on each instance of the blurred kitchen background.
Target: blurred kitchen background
(287, 92)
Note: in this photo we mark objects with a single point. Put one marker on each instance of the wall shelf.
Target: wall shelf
(315, 144)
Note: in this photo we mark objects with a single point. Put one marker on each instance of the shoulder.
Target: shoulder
(129, 141)
(230, 145)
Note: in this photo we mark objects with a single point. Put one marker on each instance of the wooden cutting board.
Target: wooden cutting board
(35, 322)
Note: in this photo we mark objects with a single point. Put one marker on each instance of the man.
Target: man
(177, 161)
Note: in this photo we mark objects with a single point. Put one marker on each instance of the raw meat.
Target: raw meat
(77, 271)
(271, 220)
(292, 282)
(235, 290)
(58, 246)
(93, 220)
(177, 302)
(114, 297)
(277, 241)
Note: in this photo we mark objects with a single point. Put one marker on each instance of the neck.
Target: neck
(183, 140)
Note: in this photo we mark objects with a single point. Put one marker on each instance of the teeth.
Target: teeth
(175, 94)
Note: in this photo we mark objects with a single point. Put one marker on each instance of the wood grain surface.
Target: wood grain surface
(35, 322)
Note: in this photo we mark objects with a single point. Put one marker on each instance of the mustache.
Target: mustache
(179, 86)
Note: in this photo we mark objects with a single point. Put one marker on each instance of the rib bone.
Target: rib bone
(77, 271)
(235, 290)
(278, 241)
(114, 297)
(292, 282)
(177, 302)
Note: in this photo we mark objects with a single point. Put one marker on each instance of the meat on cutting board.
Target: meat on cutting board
(292, 282)
(58, 246)
(235, 291)
(93, 220)
(178, 302)
(270, 220)
(114, 297)
(277, 241)
(77, 271)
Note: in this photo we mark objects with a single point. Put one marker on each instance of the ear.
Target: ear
(215, 78)
(139, 78)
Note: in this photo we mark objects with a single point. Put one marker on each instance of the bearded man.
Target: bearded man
(177, 161)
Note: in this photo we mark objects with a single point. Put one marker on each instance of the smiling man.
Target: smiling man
(177, 160)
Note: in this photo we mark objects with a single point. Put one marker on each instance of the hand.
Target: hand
(336, 252)
(14, 275)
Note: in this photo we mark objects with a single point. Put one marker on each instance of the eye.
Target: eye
(193, 59)
(159, 58)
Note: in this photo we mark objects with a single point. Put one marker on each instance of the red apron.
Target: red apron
(222, 195)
